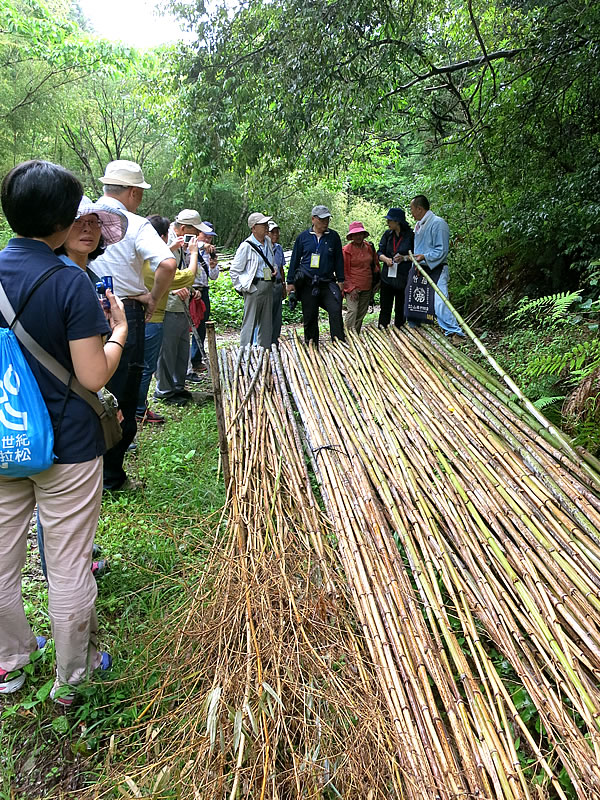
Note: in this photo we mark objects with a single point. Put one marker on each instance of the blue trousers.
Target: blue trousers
(446, 319)
(152, 343)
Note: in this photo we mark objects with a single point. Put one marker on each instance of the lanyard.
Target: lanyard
(320, 242)
(396, 246)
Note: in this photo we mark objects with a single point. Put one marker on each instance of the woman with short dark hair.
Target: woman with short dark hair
(393, 254)
(40, 201)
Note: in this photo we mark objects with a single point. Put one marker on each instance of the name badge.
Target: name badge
(266, 273)
(314, 261)
(392, 270)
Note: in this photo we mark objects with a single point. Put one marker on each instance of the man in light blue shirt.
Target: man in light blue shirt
(432, 242)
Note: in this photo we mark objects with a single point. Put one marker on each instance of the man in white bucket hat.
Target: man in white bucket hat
(252, 274)
(124, 187)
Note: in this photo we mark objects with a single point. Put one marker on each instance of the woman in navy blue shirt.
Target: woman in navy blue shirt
(393, 254)
(40, 201)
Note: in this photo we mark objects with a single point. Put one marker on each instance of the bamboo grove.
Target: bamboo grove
(404, 601)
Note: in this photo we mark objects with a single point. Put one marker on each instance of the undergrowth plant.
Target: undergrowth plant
(154, 543)
(555, 355)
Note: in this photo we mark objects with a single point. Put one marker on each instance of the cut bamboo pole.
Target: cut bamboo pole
(216, 384)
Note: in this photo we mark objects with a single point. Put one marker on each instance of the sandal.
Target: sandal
(100, 568)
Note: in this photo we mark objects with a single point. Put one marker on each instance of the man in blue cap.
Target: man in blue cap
(316, 275)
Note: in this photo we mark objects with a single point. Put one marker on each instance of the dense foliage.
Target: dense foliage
(491, 110)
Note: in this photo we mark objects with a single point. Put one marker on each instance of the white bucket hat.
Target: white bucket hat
(124, 173)
(114, 222)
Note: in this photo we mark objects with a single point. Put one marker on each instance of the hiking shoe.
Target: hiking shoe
(150, 416)
(12, 681)
(191, 377)
(65, 696)
(457, 340)
(128, 485)
(175, 400)
(100, 568)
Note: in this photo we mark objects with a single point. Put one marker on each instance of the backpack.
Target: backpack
(26, 433)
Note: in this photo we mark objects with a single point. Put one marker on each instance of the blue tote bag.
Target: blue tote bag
(26, 434)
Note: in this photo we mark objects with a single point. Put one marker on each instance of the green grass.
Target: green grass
(154, 540)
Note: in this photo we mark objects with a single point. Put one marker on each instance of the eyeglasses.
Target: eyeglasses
(91, 223)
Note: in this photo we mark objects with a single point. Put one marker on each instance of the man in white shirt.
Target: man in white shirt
(252, 273)
(124, 187)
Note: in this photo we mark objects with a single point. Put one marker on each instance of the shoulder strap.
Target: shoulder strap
(38, 352)
(374, 259)
(44, 277)
(261, 254)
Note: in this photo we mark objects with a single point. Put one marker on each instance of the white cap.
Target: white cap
(188, 216)
(257, 219)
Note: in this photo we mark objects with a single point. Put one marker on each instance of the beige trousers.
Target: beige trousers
(68, 498)
(357, 310)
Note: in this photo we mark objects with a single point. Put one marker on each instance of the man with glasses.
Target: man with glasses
(316, 275)
(124, 187)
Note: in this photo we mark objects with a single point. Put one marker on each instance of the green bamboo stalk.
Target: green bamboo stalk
(559, 437)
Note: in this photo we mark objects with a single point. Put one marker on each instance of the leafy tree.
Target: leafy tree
(492, 110)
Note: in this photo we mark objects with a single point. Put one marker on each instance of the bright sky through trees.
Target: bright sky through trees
(134, 22)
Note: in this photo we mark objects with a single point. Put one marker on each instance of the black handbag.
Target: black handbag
(419, 296)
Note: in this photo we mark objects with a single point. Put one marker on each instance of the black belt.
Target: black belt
(130, 301)
(255, 280)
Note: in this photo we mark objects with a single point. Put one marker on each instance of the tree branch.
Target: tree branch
(449, 68)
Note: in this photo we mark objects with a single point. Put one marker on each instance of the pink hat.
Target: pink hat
(356, 227)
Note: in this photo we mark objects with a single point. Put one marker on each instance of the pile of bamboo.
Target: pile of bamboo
(396, 632)
(461, 528)
(272, 689)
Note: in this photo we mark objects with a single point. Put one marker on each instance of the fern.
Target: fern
(553, 306)
(583, 358)
(544, 402)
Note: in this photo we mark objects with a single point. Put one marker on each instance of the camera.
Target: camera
(187, 238)
(292, 301)
(106, 282)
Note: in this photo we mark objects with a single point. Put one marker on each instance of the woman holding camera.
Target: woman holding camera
(40, 202)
